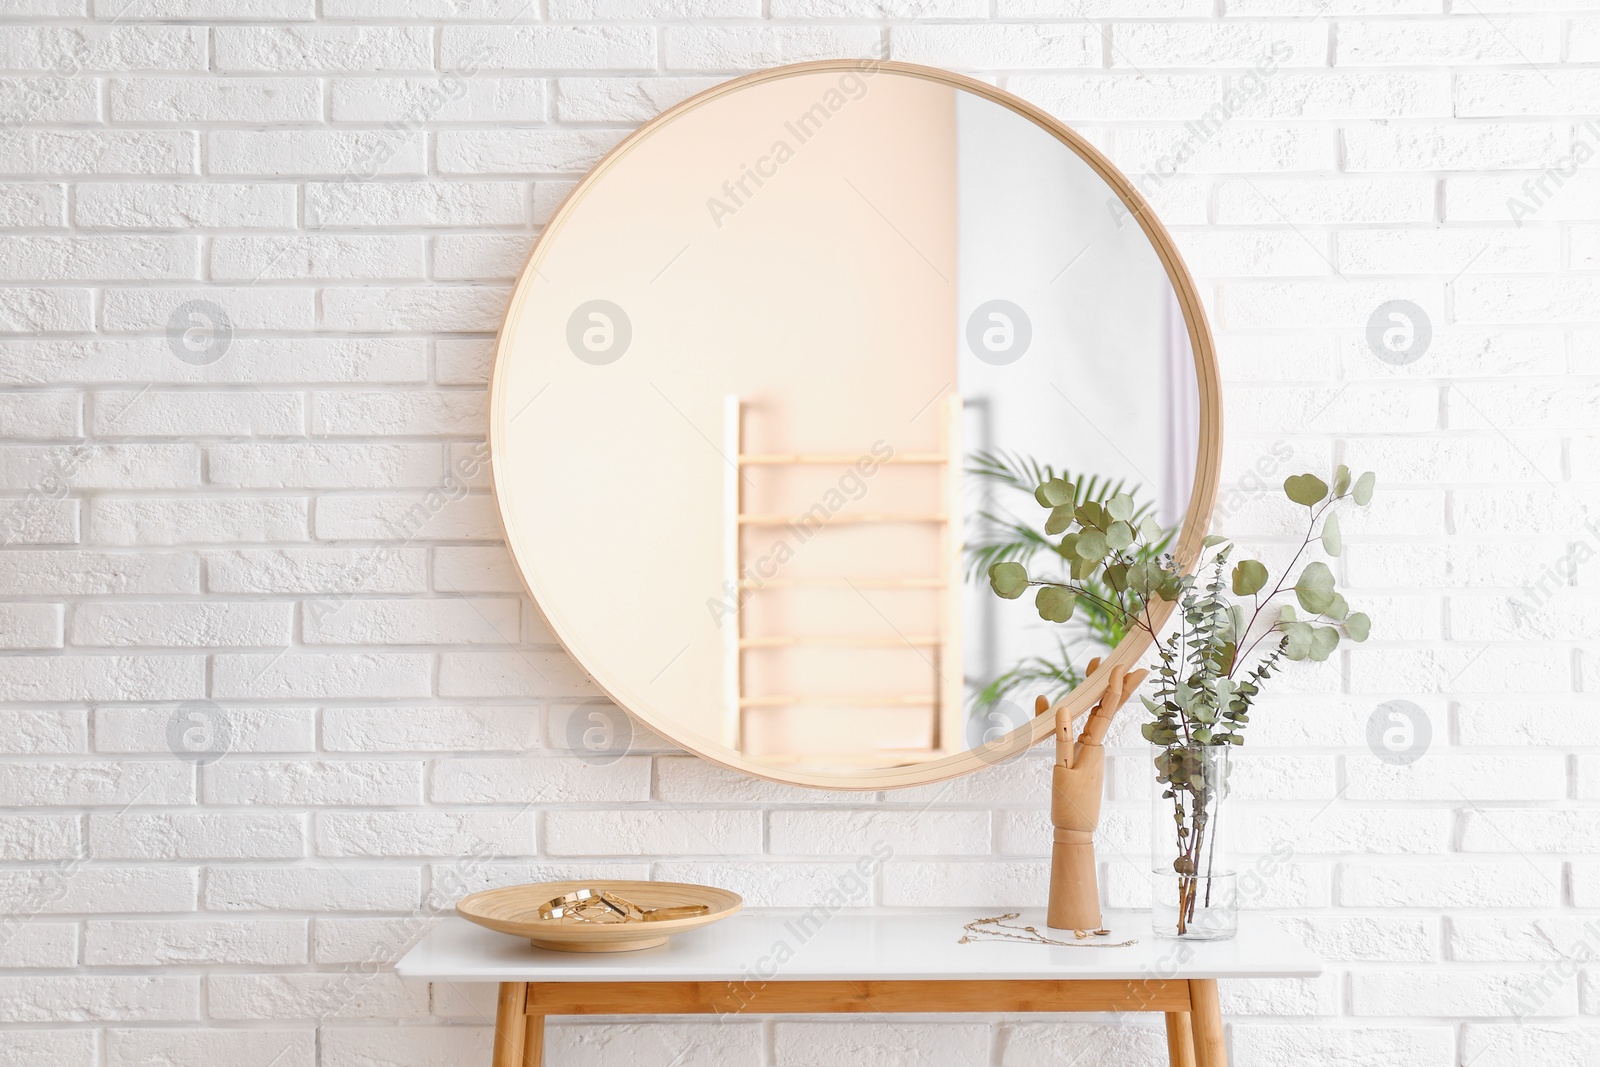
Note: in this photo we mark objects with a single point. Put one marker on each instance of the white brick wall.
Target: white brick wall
(255, 533)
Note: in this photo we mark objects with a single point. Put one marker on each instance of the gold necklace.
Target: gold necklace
(997, 928)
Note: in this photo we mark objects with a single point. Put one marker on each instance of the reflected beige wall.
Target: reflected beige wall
(835, 335)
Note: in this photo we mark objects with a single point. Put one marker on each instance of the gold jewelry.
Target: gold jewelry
(588, 905)
(996, 928)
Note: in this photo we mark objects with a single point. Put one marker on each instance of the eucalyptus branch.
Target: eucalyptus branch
(1212, 662)
(1305, 542)
(1100, 609)
(1208, 672)
(1080, 591)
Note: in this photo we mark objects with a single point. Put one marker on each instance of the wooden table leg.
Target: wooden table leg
(1180, 1039)
(1206, 1014)
(510, 1025)
(533, 1043)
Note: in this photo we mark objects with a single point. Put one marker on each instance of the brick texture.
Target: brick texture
(259, 722)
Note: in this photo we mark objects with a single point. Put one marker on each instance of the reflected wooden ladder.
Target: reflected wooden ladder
(943, 637)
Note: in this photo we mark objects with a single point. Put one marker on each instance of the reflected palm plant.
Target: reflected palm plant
(1003, 537)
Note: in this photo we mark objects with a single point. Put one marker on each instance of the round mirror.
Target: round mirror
(776, 387)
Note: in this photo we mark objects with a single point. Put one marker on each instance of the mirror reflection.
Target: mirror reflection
(777, 387)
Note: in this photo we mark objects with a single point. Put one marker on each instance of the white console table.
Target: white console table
(781, 961)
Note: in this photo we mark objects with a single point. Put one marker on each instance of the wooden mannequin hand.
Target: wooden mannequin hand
(1080, 767)
(1077, 782)
(1121, 685)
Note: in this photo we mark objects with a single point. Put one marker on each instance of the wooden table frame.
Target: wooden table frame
(1193, 1013)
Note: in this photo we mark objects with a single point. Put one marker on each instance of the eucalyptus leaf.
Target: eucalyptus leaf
(1116, 576)
(1364, 486)
(1332, 538)
(1119, 535)
(1008, 579)
(1120, 506)
(1341, 480)
(1324, 639)
(1237, 622)
(1213, 540)
(1092, 545)
(1358, 626)
(1091, 514)
(1054, 493)
(1314, 590)
(1151, 530)
(1069, 546)
(1055, 604)
(1060, 518)
(1297, 640)
(1249, 577)
(1159, 734)
(1286, 613)
(1144, 577)
(1305, 489)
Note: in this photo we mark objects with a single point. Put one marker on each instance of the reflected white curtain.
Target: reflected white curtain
(1181, 417)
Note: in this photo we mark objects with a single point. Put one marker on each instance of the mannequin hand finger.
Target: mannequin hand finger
(1111, 699)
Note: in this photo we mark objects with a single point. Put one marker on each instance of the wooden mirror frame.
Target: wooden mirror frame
(1202, 497)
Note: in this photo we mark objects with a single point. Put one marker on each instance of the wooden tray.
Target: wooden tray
(515, 910)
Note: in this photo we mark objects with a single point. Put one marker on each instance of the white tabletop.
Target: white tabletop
(778, 945)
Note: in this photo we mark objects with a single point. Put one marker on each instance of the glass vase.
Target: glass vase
(1194, 885)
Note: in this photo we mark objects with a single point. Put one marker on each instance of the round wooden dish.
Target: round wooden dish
(515, 910)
